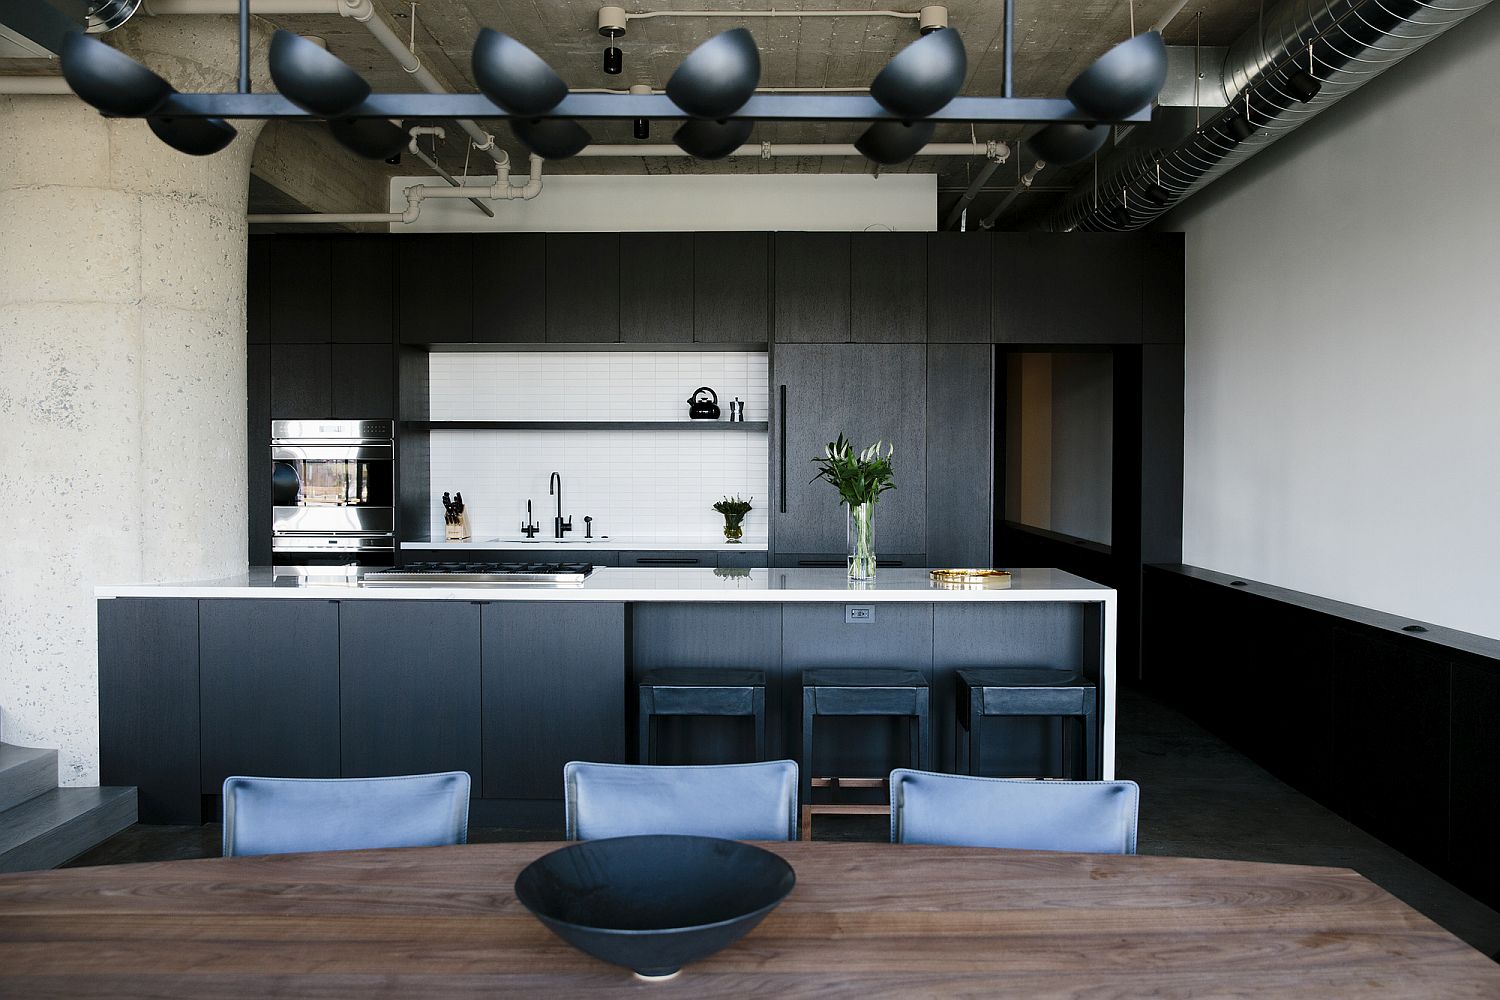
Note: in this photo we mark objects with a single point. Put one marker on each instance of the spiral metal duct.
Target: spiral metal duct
(1350, 43)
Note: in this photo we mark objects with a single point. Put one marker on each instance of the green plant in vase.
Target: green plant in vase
(860, 477)
(734, 510)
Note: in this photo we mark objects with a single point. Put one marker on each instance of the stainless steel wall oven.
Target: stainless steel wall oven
(333, 492)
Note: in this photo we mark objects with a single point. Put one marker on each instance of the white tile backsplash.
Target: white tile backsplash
(658, 484)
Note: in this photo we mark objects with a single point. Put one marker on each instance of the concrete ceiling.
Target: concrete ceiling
(1055, 40)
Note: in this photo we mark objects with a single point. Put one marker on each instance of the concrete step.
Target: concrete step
(50, 828)
(25, 773)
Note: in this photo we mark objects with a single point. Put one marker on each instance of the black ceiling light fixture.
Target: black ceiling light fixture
(923, 77)
(551, 138)
(717, 77)
(193, 136)
(1301, 83)
(1120, 214)
(514, 77)
(712, 140)
(312, 77)
(110, 80)
(1066, 143)
(371, 138)
(890, 142)
(1126, 78)
(1240, 127)
(1156, 193)
(612, 26)
(640, 127)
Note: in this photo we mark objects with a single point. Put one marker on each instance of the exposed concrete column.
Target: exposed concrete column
(122, 374)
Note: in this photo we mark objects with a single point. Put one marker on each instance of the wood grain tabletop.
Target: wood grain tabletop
(867, 920)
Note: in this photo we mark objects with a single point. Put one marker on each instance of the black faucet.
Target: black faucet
(554, 485)
(529, 528)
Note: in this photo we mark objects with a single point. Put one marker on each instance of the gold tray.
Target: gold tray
(970, 577)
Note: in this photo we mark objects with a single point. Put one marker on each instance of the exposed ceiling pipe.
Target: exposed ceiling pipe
(34, 85)
(1027, 179)
(1344, 44)
(501, 190)
(417, 131)
(362, 11)
(975, 186)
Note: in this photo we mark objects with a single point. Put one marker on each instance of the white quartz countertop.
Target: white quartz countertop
(635, 585)
(607, 543)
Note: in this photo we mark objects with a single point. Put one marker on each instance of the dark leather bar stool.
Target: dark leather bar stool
(1029, 691)
(879, 691)
(701, 692)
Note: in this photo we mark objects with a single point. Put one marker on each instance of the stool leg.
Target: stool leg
(924, 748)
(807, 762)
(644, 740)
(1090, 743)
(758, 702)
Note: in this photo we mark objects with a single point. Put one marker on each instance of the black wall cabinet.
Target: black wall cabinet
(554, 691)
(869, 392)
(583, 288)
(409, 687)
(731, 288)
(1067, 288)
(435, 289)
(960, 276)
(656, 288)
(812, 288)
(509, 292)
(888, 288)
(269, 674)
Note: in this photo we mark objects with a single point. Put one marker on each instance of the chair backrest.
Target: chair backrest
(733, 801)
(1094, 817)
(291, 815)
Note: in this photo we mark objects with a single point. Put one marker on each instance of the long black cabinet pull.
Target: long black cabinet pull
(667, 561)
(830, 563)
(781, 412)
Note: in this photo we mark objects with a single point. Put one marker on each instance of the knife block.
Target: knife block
(458, 531)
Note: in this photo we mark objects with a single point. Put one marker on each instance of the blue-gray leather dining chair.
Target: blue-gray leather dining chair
(292, 815)
(733, 801)
(1092, 817)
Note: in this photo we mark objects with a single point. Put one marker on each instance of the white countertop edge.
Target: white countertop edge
(622, 595)
(574, 545)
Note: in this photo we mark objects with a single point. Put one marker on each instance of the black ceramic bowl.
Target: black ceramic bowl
(654, 904)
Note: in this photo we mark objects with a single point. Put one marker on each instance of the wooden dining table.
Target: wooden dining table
(866, 920)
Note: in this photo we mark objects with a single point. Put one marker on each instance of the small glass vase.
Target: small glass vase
(732, 530)
(862, 541)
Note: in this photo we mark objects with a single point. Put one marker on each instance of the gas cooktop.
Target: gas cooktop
(482, 572)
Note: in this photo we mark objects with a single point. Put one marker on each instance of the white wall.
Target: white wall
(1343, 348)
(688, 202)
(647, 486)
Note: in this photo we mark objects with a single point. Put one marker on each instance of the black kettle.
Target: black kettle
(700, 408)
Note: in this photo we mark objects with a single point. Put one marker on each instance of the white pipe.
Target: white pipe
(34, 85)
(330, 218)
(362, 11)
(417, 131)
(773, 13)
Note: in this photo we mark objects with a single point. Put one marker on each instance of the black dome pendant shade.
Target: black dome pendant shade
(709, 140)
(193, 136)
(109, 79)
(1123, 80)
(312, 78)
(718, 77)
(922, 77)
(1065, 143)
(1303, 85)
(551, 138)
(371, 138)
(892, 142)
(514, 77)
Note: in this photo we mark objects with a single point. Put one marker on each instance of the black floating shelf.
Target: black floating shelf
(590, 425)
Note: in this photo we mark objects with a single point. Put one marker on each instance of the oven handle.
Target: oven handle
(332, 453)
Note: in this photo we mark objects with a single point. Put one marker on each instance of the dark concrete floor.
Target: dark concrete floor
(1199, 798)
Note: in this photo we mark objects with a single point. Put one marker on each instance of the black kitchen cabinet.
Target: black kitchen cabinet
(595, 557)
(363, 300)
(257, 451)
(960, 275)
(869, 392)
(743, 558)
(656, 288)
(960, 454)
(301, 381)
(812, 288)
(435, 290)
(410, 688)
(554, 691)
(510, 288)
(583, 288)
(363, 378)
(148, 704)
(269, 675)
(888, 288)
(1475, 754)
(731, 288)
(301, 280)
(258, 291)
(1163, 288)
(669, 558)
(1067, 288)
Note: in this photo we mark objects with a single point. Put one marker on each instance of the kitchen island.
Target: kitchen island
(323, 676)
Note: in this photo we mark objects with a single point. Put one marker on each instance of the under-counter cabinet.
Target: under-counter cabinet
(410, 688)
(554, 691)
(269, 683)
